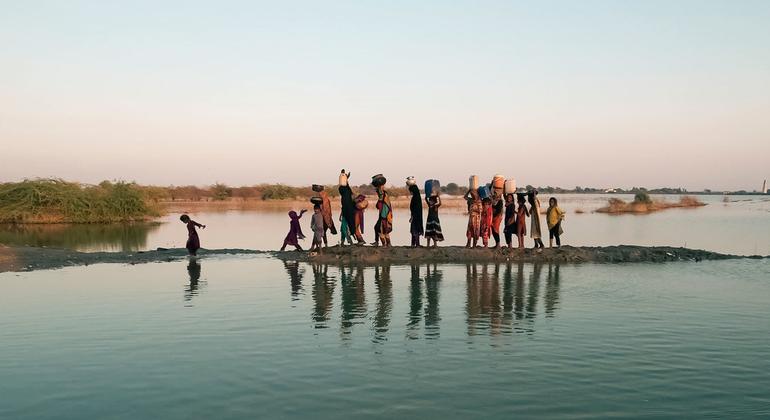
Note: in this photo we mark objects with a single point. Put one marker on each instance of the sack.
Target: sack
(362, 205)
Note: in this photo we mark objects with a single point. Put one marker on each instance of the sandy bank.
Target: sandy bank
(31, 258)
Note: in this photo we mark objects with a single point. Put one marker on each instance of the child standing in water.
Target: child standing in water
(554, 216)
(510, 220)
(318, 228)
(534, 211)
(193, 242)
(521, 221)
(486, 221)
(295, 231)
(433, 224)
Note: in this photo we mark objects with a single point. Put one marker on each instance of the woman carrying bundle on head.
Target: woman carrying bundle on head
(534, 211)
(415, 209)
(384, 224)
(474, 217)
(348, 217)
(433, 224)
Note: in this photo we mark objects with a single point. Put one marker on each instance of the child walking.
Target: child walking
(295, 231)
(433, 224)
(554, 216)
(193, 242)
(317, 226)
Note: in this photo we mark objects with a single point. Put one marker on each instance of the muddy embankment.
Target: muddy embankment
(31, 258)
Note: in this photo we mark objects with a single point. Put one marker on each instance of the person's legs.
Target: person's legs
(557, 234)
(550, 237)
(377, 233)
(496, 235)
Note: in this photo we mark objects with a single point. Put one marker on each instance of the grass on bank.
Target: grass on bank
(58, 201)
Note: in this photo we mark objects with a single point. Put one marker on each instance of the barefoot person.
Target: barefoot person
(474, 218)
(498, 213)
(521, 221)
(486, 221)
(433, 224)
(295, 231)
(510, 220)
(349, 211)
(554, 215)
(193, 242)
(384, 224)
(534, 211)
(317, 226)
(415, 219)
(326, 211)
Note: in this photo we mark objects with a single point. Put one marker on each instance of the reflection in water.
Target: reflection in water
(295, 277)
(518, 308)
(384, 302)
(323, 292)
(353, 300)
(499, 298)
(81, 237)
(193, 287)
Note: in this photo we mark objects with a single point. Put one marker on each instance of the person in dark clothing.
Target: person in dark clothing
(295, 231)
(415, 207)
(193, 242)
(510, 220)
(498, 208)
(349, 211)
(433, 223)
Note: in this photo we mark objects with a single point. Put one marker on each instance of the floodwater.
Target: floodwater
(255, 337)
(741, 226)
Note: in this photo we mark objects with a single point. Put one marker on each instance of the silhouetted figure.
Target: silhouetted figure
(295, 231)
(323, 293)
(295, 277)
(432, 316)
(552, 291)
(193, 242)
(384, 302)
(415, 219)
(353, 303)
(415, 302)
(194, 273)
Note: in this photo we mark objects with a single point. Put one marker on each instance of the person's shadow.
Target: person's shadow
(194, 274)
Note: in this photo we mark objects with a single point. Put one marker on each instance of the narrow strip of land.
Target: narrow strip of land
(32, 258)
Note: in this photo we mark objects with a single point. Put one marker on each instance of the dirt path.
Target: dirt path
(30, 258)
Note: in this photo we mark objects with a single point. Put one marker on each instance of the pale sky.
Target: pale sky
(589, 93)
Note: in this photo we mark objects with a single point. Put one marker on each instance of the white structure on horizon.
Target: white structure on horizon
(764, 187)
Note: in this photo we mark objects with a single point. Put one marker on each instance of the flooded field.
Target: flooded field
(255, 337)
(741, 226)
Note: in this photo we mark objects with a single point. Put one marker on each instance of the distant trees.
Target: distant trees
(221, 192)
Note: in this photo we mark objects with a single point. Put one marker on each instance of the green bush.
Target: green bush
(277, 192)
(57, 201)
(642, 197)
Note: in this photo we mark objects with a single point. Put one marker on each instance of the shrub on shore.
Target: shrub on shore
(57, 201)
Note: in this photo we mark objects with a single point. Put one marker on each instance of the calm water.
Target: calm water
(259, 338)
(739, 227)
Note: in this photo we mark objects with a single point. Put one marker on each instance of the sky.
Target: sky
(561, 93)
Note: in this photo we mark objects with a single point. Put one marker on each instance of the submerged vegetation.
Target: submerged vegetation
(642, 204)
(58, 201)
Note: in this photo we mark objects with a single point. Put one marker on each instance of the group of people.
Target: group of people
(485, 218)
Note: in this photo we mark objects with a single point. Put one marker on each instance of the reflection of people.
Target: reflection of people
(552, 290)
(432, 317)
(415, 302)
(193, 242)
(194, 273)
(353, 299)
(384, 302)
(323, 292)
(295, 277)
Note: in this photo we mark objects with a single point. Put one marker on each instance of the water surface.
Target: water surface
(257, 337)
